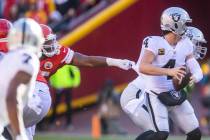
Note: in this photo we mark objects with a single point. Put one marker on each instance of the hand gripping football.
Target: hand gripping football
(178, 85)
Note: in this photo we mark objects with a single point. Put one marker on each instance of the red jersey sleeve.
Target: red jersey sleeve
(3, 47)
(40, 78)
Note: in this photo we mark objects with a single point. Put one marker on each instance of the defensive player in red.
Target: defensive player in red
(5, 25)
(53, 57)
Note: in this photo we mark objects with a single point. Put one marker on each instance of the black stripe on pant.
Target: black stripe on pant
(138, 94)
(152, 112)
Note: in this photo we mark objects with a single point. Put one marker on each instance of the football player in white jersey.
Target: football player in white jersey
(133, 97)
(162, 60)
(18, 72)
(198, 40)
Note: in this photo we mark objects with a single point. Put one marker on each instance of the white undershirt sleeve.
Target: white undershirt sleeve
(68, 58)
(195, 69)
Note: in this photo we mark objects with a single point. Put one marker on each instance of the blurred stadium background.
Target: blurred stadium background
(112, 28)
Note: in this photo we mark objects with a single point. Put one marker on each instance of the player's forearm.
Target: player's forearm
(195, 69)
(12, 108)
(98, 61)
(16, 119)
(89, 61)
(152, 70)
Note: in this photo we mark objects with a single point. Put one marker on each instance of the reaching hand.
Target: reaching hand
(125, 64)
(135, 67)
(120, 63)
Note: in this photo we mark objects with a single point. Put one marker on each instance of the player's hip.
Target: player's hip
(131, 92)
(131, 98)
(42, 87)
(32, 114)
(158, 88)
(139, 82)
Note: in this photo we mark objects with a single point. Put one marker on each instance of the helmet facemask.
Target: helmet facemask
(199, 49)
(3, 40)
(50, 46)
(198, 40)
(180, 28)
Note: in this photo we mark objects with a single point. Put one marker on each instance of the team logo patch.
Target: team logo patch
(189, 34)
(45, 73)
(176, 17)
(176, 95)
(161, 51)
(48, 65)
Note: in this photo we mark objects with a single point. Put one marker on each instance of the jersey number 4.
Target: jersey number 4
(170, 64)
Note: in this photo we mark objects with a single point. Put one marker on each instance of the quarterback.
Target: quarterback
(133, 99)
(164, 58)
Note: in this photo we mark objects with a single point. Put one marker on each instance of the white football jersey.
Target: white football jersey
(166, 56)
(10, 64)
(140, 81)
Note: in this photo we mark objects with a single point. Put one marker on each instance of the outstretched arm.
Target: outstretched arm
(14, 113)
(88, 61)
(97, 61)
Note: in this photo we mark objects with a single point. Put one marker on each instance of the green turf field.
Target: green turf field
(65, 137)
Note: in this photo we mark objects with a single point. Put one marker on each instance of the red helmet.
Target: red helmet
(5, 26)
(50, 47)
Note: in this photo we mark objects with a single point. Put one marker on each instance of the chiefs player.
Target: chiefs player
(55, 56)
(5, 25)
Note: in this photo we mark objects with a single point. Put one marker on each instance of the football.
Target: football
(184, 82)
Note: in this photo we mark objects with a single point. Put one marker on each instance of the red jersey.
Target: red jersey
(49, 65)
(40, 78)
(3, 47)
